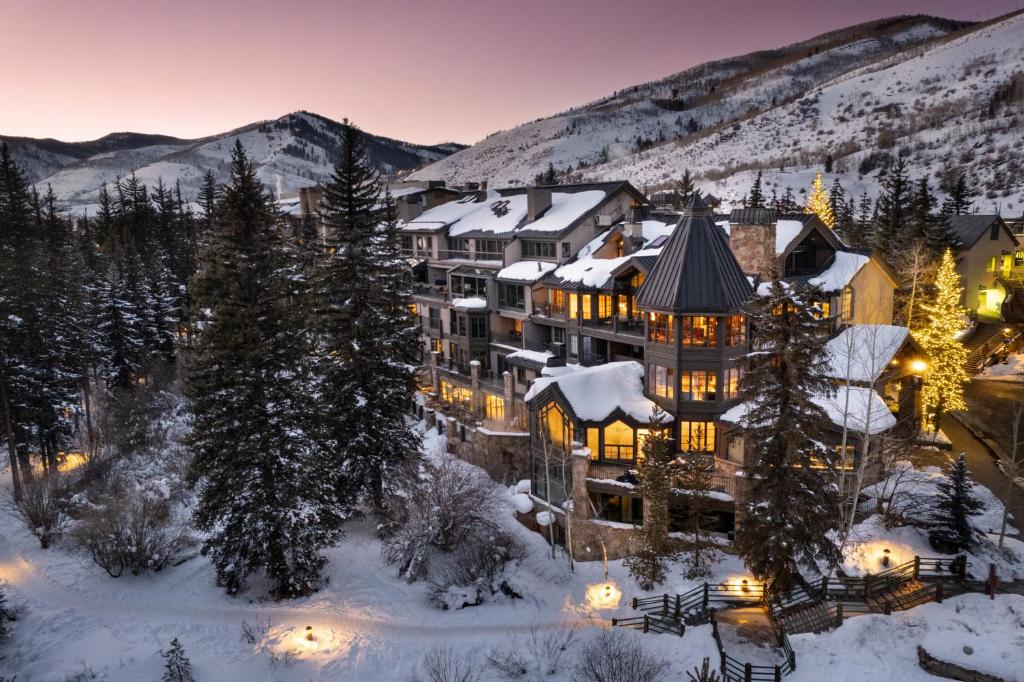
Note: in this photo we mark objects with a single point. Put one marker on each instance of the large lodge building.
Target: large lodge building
(555, 319)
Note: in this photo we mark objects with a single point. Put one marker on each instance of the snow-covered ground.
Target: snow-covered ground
(1011, 370)
(370, 625)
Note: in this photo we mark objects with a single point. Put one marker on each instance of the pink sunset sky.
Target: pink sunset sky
(428, 72)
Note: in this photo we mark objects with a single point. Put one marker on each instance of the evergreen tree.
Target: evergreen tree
(956, 504)
(649, 563)
(892, 212)
(267, 499)
(945, 376)
(4, 617)
(818, 203)
(792, 502)
(368, 343)
(828, 162)
(548, 177)
(695, 469)
(787, 204)
(177, 667)
(960, 199)
(684, 189)
(755, 198)
(208, 198)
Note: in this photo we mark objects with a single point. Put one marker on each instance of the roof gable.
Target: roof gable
(970, 228)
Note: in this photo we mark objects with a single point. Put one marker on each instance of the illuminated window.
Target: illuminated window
(992, 264)
(636, 280)
(659, 328)
(559, 428)
(698, 384)
(557, 301)
(413, 310)
(495, 406)
(697, 436)
(574, 306)
(588, 311)
(662, 381)
(593, 442)
(456, 395)
(698, 331)
(825, 310)
(731, 387)
(437, 345)
(1018, 259)
(735, 330)
(641, 438)
(848, 303)
(622, 305)
(618, 441)
(604, 306)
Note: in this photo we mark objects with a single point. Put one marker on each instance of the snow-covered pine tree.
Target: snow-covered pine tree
(177, 667)
(951, 518)
(684, 189)
(267, 498)
(367, 342)
(792, 503)
(654, 548)
(755, 198)
(208, 198)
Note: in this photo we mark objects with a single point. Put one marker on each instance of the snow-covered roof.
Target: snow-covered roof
(445, 214)
(594, 393)
(589, 271)
(526, 271)
(863, 351)
(474, 303)
(843, 269)
(538, 357)
(865, 411)
(785, 232)
(566, 208)
(498, 214)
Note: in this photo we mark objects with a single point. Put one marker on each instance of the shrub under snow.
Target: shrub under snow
(131, 533)
(615, 655)
(447, 533)
(41, 507)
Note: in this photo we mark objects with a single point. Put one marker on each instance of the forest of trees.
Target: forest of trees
(297, 390)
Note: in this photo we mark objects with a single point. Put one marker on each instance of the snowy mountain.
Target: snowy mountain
(296, 150)
(919, 84)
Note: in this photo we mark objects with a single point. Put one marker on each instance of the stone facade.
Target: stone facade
(504, 456)
(754, 248)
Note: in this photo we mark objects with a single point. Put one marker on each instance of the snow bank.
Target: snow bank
(1011, 370)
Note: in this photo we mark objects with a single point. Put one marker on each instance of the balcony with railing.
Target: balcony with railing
(617, 324)
(611, 470)
(466, 254)
(434, 291)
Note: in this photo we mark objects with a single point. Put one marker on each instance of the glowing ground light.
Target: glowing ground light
(744, 585)
(604, 595)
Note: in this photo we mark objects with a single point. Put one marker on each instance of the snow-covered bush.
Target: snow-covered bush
(448, 503)
(615, 655)
(475, 571)
(548, 648)
(443, 664)
(41, 507)
(132, 533)
(509, 662)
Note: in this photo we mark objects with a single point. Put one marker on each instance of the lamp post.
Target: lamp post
(885, 558)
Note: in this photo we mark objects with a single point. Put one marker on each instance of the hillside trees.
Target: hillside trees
(267, 496)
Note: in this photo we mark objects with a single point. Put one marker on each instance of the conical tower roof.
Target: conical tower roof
(695, 271)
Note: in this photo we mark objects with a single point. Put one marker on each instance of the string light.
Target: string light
(819, 204)
(944, 375)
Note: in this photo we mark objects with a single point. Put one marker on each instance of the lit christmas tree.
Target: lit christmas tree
(945, 377)
(819, 204)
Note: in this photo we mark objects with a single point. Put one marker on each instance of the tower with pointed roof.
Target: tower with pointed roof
(695, 329)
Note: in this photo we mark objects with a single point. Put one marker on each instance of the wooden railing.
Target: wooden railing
(648, 623)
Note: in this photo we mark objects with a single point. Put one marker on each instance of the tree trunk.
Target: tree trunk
(12, 449)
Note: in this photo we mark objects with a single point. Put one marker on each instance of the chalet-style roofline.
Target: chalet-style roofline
(609, 188)
(696, 271)
(970, 228)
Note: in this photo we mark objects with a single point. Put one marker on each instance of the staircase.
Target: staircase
(979, 345)
(812, 616)
(1013, 305)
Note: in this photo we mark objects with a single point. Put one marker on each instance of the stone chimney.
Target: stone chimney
(408, 210)
(633, 229)
(538, 200)
(752, 240)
